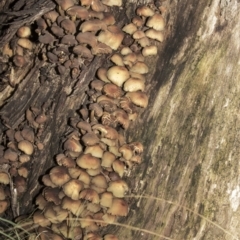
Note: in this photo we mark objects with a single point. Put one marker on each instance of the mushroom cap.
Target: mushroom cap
(112, 90)
(10, 154)
(119, 207)
(154, 34)
(69, 40)
(41, 202)
(87, 161)
(112, 36)
(73, 188)
(24, 32)
(51, 195)
(59, 175)
(134, 84)
(69, 26)
(102, 74)
(65, 4)
(110, 237)
(106, 199)
(107, 159)
(25, 43)
(99, 181)
(38, 218)
(117, 59)
(78, 12)
(118, 188)
(139, 67)
(156, 22)
(97, 84)
(98, 6)
(74, 206)
(95, 150)
(119, 167)
(109, 18)
(52, 16)
(87, 38)
(72, 145)
(130, 28)
(138, 21)
(90, 139)
(46, 38)
(122, 118)
(138, 34)
(4, 178)
(112, 2)
(28, 134)
(139, 98)
(93, 25)
(89, 195)
(145, 11)
(149, 50)
(126, 151)
(26, 147)
(106, 131)
(118, 75)
(143, 42)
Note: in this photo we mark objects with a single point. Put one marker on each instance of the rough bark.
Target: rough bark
(190, 129)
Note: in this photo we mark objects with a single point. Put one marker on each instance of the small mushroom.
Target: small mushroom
(25, 43)
(119, 207)
(118, 188)
(74, 206)
(59, 175)
(87, 161)
(112, 90)
(78, 12)
(69, 26)
(117, 59)
(51, 195)
(156, 22)
(24, 32)
(90, 139)
(92, 26)
(89, 195)
(87, 38)
(26, 147)
(118, 75)
(112, 3)
(112, 36)
(154, 34)
(139, 98)
(73, 188)
(139, 67)
(144, 11)
(130, 28)
(134, 84)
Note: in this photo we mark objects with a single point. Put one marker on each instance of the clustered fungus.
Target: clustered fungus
(86, 190)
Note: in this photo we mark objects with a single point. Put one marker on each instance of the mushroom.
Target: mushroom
(73, 188)
(72, 145)
(119, 207)
(149, 50)
(102, 74)
(74, 206)
(130, 28)
(118, 188)
(112, 2)
(87, 38)
(106, 199)
(92, 26)
(156, 22)
(122, 118)
(26, 147)
(139, 67)
(59, 175)
(11, 155)
(138, 21)
(126, 151)
(117, 59)
(98, 6)
(139, 98)
(38, 218)
(89, 195)
(144, 11)
(119, 167)
(24, 32)
(138, 34)
(108, 18)
(46, 38)
(154, 34)
(78, 12)
(106, 131)
(87, 161)
(110, 237)
(118, 75)
(134, 84)
(47, 181)
(65, 4)
(69, 26)
(112, 36)
(107, 159)
(25, 43)
(51, 195)
(4, 178)
(99, 181)
(41, 202)
(23, 171)
(112, 90)
(144, 42)
(95, 150)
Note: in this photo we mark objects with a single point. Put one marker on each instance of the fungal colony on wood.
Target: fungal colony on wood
(86, 190)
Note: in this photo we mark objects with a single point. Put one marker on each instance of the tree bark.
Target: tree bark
(190, 129)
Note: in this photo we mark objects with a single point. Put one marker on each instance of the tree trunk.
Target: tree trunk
(189, 130)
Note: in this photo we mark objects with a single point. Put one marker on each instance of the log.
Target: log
(187, 186)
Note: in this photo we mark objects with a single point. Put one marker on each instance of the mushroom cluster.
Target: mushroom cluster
(86, 190)
(15, 156)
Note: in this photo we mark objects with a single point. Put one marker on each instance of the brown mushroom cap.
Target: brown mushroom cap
(112, 37)
(69, 26)
(90, 139)
(38, 218)
(119, 207)
(47, 38)
(145, 11)
(93, 25)
(51, 195)
(112, 90)
(130, 28)
(138, 98)
(87, 161)
(78, 12)
(82, 51)
(119, 167)
(85, 126)
(156, 22)
(117, 59)
(139, 67)
(10, 154)
(41, 202)
(106, 131)
(138, 21)
(118, 75)
(73, 188)
(72, 145)
(89, 195)
(102, 74)
(25, 43)
(26, 147)
(69, 40)
(112, 2)
(154, 34)
(134, 84)
(95, 150)
(87, 38)
(149, 50)
(110, 237)
(65, 4)
(59, 175)
(99, 181)
(52, 16)
(107, 159)
(74, 206)
(106, 199)
(118, 188)
(4, 178)
(24, 32)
